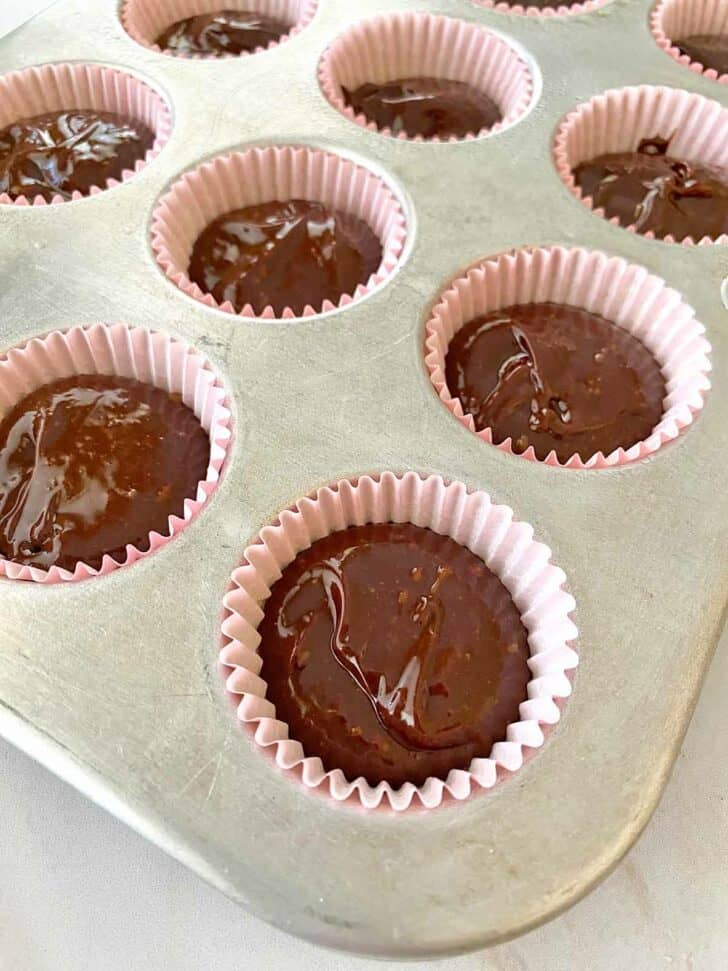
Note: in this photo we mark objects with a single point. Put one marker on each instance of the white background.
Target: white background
(16, 12)
(80, 892)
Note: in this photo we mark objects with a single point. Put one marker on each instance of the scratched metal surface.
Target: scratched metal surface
(113, 684)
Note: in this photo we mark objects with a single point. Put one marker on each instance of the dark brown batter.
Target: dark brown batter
(284, 254)
(711, 50)
(556, 378)
(89, 464)
(425, 106)
(656, 192)
(224, 32)
(393, 653)
(544, 4)
(66, 151)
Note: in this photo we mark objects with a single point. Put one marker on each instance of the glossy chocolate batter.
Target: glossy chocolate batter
(711, 50)
(284, 254)
(556, 378)
(66, 151)
(426, 107)
(89, 464)
(654, 191)
(224, 32)
(393, 653)
(544, 4)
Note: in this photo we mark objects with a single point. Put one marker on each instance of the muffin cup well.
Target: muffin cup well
(609, 286)
(423, 45)
(58, 87)
(272, 174)
(526, 9)
(618, 120)
(674, 20)
(505, 545)
(145, 20)
(129, 352)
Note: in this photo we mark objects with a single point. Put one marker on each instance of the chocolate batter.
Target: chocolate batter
(224, 32)
(711, 50)
(545, 4)
(284, 254)
(426, 107)
(89, 464)
(556, 378)
(66, 151)
(654, 191)
(393, 653)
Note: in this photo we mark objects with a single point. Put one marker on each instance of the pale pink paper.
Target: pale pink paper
(423, 45)
(490, 531)
(145, 20)
(530, 11)
(262, 175)
(57, 87)
(618, 120)
(609, 286)
(673, 20)
(131, 352)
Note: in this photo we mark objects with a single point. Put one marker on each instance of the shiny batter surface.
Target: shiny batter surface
(656, 192)
(220, 33)
(557, 378)
(89, 464)
(425, 106)
(393, 653)
(544, 4)
(62, 152)
(284, 254)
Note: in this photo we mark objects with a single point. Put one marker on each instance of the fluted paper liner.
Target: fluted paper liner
(505, 545)
(145, 20)
(626, 294)
(138, 353)
(563, 10)
(275, 173)
(423, 45)
(63, 87)
(618, 120)
(674, 20)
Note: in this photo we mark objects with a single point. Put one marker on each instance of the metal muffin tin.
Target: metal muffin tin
(113, 683)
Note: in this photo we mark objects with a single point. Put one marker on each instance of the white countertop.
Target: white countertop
(81, 892)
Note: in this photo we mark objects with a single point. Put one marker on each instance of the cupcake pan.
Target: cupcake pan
(113, 682)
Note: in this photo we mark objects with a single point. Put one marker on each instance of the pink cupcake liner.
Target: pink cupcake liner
(609, 286)
(130, 352)
(144, 20)
(58, 87)
(423, 45)
(261, 175)
(529, 11)
(618, 120)
(677, 19)
(505, 545)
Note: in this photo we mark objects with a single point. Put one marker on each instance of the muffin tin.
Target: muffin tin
(113, 682)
